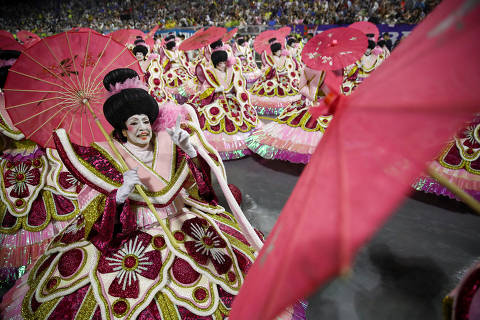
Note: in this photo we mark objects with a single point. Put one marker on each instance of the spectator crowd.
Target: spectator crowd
(50, 17)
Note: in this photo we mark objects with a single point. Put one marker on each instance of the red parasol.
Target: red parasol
(27, 38)
(284, 32)
(126, 36)
(203, 38)
(229, 35)
(5, 33)
(78, 29)
(149, 36)
(46, 87)
(334, 49)
(7, 43)
(367, 152)
(366, 27)
(262, 43)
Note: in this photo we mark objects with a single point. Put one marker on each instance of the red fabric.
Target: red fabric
(9, 43)
(102, 234)
(367, 161)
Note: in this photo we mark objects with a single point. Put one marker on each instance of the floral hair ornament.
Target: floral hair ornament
(127, 84)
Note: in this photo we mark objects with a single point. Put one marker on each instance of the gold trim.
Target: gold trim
(167, 308)
(88, 306)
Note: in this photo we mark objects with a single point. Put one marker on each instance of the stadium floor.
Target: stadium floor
(402, 273)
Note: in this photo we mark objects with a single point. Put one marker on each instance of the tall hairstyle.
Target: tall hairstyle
(127, 102)
(219, 56)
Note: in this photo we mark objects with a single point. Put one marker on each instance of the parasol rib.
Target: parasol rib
(31, 102)
(41, 80)
(48, 120)
(96, 62)
(73, 60)
(456, 190)
(37, 114)
(85, 59)
(72, 86)
(58, 126)
(106, 67)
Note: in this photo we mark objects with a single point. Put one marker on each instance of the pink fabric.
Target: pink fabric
(7, 63)
(308, 246)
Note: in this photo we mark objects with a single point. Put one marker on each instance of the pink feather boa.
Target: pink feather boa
(129, 83)
(167, 116)
(7, 63)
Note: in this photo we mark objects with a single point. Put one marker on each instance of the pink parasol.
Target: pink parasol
(366, 27)
(284, 32)
(78, 29)
(229, 35)
(334, 49)
(126, 36)
(262, 43)
(50, 83)
(5, 33)
(7, 43)
(367, 152)
(27, 38)
(203, 38)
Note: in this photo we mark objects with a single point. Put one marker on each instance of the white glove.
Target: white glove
(182, 139)
(130, 179)
(219, 89)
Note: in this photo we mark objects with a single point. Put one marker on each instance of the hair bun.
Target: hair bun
(118, 76)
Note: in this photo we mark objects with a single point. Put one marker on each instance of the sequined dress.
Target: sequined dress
(278, 87)
(294, 134)
(226, 123)
(250, 70)
(100, 269)
(37, 199)
(459, 162)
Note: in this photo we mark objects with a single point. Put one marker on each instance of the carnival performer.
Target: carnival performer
(294, 134)
(294, 49)
(278, 87)
(115, 261)
(37, 195)
(176, 69)
(140, 51)
(459, 162)
(223, 106)
(244, 52)
(356, 73)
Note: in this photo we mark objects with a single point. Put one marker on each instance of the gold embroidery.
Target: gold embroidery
(87, 307)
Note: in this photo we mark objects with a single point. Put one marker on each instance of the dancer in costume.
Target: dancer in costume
(37, 195)
(294, 134)
(223, 106)
(140, 51)
(459, 162)
(294, 49)
(278, 87)
(356, 73)
(244, 52)
(176, 69)
(115, 261)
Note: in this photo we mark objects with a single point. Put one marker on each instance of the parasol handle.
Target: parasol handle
(456, 190)
(125, 168)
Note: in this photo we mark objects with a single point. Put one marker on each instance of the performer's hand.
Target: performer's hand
(219, 89)
(182, 139)
(130, 179)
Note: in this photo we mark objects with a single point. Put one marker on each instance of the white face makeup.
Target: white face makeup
(139, 130)
(222, 66)
(278, 53)
(139, 56)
